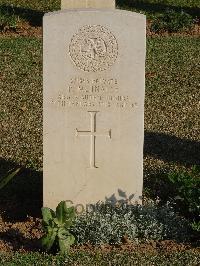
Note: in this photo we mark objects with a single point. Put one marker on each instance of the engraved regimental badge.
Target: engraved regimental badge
(93, 48)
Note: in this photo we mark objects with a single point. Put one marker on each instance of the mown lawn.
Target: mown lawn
(99, 258)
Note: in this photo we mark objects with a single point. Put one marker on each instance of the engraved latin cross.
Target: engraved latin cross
(92, 133)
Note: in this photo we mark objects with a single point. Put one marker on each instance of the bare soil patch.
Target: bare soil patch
(24, 30)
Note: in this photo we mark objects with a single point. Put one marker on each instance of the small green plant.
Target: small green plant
(172, 21)
(186, 191)
(4, 181)
(196, 226)
(57, 227)
(8, 20)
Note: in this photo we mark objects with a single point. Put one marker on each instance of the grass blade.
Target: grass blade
(4, 181)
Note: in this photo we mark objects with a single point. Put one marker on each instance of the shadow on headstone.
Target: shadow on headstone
(121, 198)
(22, 196)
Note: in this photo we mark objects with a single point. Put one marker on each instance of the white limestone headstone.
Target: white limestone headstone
(94, 86)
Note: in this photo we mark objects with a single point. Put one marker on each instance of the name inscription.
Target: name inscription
(89, 93)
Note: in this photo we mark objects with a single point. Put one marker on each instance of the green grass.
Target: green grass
(172, 86)
(37, 5)
(188, 258)
(21, 109)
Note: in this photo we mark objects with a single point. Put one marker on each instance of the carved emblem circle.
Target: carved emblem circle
(94, 48)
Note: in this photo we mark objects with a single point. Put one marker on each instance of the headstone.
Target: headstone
(66, 4)
(94, 80)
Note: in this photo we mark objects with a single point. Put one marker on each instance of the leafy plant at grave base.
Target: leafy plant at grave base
(57, 228)
(186, 191)
(6, 179)
(109, 224)
(172, 21)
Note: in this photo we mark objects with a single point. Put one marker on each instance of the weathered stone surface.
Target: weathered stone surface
(94, 80)
(68, 4)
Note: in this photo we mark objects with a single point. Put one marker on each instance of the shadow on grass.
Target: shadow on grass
(23, 195)
(17, 240)
(155, 7)
(34, 17)
(157, 183)
(172, 149)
